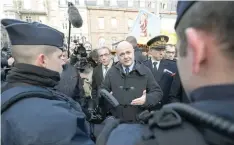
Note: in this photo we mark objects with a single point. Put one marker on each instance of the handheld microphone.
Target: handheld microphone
(74, 16)
(110, 98)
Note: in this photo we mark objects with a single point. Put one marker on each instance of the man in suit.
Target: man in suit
(99, 72)
(132, 84)
(164, 70)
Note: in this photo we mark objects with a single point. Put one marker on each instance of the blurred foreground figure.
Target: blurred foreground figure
(32, 111)
(206, 64)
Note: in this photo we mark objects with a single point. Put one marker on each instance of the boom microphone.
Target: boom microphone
(74, 16)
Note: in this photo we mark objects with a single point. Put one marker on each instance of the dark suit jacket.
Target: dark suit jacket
(138, 55)
(167, 81)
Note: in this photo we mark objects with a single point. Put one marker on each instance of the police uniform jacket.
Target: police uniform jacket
(55, 119)
(41, 121)
(71, 83)
(165, 77)
(128, 87)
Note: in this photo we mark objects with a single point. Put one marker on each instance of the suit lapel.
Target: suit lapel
(163, 65)
(150, 65)
(155, 73)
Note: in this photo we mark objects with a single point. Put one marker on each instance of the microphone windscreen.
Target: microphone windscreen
(109, 97)
(74, 17)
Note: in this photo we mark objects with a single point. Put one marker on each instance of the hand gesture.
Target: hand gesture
(10, 61)
(141, 100)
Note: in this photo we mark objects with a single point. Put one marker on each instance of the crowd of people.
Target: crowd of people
(181, 94)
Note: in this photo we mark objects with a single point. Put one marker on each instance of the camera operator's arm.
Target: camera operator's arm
(73, 59)
(94, 87)
(79, 90)
(4, 62)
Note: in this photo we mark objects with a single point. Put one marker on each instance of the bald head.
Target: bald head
(125, 53)
(132, 40)
(123, 45)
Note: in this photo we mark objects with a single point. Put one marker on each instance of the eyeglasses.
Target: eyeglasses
(106, 55)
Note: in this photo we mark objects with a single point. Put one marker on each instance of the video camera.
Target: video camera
(79, 57)
(5, 53)
(94, 113)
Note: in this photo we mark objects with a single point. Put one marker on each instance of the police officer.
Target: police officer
(205, 62)
(164, 70)
(39, 119)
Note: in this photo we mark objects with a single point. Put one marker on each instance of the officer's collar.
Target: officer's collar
(215, 92)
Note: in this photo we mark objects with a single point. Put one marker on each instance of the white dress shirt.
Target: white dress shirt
(158, 63)
(130, 67)
(104, 70)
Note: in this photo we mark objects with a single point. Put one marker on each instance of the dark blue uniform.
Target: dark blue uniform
(166, 71)
(165, 77)
(52, 120)
(217, 100)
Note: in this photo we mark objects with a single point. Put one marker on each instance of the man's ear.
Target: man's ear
(196, 46)
(41, 60)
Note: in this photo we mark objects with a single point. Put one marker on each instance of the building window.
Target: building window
(142, 3)
(101, 42)
(10, 15)
(163, 6)
(29, 19)
(113, 3)
(27, 4)
(81, 2)
(101, 23)
(77, 2)
(64, 25)
(100, 2)
(40, 5)
(130, 23)
(130, 3)
(63, 2)
(151, 4)
(8, 2)
(113, 22)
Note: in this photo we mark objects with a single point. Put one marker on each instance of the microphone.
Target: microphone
(74, 16)
(110, 98)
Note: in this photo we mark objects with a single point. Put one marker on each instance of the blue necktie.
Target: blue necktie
(127, 70)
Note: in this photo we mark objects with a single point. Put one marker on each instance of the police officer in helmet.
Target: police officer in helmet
(32, 111)
(205, 31)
